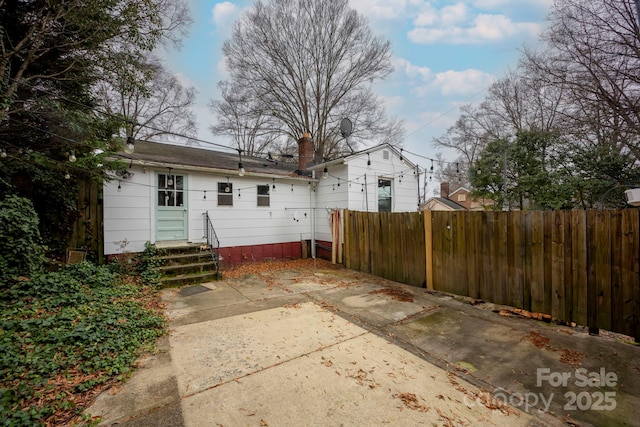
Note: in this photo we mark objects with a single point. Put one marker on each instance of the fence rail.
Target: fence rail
(579, 266)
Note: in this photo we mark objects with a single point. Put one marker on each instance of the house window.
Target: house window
(170, 190)
(263, 195)
(384, 195)
(225, 194)
(462, 197)
(385, 154)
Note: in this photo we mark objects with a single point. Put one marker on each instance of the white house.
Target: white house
(263, 211)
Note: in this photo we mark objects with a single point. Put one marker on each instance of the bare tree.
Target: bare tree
(456, 173)
(306, 64)
(593, 50)
(241, 118)
(151, 101)
(469, 135)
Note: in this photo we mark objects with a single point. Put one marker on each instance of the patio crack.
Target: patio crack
(275, 365)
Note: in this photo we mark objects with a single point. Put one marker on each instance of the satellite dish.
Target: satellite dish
(346, 127)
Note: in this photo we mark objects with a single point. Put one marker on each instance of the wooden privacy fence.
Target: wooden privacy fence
(87, 232)
(579, 266)
(389, 245)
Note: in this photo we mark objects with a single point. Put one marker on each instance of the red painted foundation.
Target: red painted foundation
(235, 255)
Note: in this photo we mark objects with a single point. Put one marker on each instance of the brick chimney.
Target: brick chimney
(444, 190)
(305, 151)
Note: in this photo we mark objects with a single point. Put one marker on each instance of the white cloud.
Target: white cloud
(491, 4)
(427, 17)
(484, 28)
(392, 103)
(454, 14)
(223, 70)
(184, 80)
(467, 82)
(410, 70)
(379, 9)
(223, 13)
(497, 27)
(497, 4)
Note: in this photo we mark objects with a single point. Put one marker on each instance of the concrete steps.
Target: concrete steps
(187, 264)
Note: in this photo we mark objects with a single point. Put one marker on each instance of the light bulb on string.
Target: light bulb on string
(129, 147)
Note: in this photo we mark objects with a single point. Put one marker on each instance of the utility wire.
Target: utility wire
(115, 116)
(108, 114)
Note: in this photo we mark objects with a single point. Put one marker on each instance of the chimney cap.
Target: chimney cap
(306, 135)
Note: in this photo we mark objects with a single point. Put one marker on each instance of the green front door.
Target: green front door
(171, 207)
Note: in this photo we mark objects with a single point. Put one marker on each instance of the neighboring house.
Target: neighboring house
(445, 202)
(441, 204)
(458, 200)
(262, 212)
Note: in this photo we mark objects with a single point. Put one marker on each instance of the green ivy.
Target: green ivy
(84, 322)
(150, 262)
(145, 264)
(21, 252)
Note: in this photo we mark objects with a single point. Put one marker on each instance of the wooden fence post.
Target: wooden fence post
(428, 242)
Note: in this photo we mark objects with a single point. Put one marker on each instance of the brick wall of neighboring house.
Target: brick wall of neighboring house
(461, 197)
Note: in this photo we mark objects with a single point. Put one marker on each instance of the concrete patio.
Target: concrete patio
(290, 344)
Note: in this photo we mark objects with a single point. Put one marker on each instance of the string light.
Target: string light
(129, 147)
(72, 156)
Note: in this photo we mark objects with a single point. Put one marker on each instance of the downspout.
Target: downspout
(366, 192)
(313, 219)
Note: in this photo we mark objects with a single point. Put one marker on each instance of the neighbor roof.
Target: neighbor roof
(447, 202)
(180, 156)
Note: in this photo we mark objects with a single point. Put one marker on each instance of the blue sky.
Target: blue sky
(444, 53)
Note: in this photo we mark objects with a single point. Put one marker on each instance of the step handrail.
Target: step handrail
(212, 241)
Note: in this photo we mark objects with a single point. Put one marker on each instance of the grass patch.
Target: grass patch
(67, 335)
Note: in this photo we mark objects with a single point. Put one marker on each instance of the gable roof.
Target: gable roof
(458, 190)
(450, 203)
(180, 156)
(349, 157)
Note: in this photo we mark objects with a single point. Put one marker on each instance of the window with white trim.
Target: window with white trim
(384, 195)
(225, 194)
(263, 195)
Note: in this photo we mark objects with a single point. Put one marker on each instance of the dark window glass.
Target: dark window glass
(263, 195)
(384, 195)
(225, 194)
